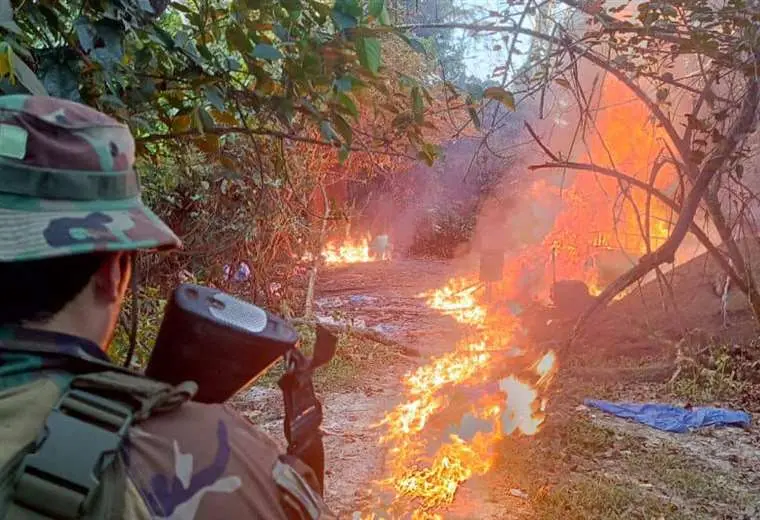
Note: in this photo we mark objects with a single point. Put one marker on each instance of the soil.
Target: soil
(384, 297)
(627, 353)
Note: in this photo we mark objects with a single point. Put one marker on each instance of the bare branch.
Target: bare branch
(541, 144)
(693, 228)
(666, 252)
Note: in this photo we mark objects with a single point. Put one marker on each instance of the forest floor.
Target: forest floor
(582, 464)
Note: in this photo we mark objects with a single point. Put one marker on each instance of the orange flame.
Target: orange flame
(350, 252)
(602, 216)
(457, 299)
(425, 473)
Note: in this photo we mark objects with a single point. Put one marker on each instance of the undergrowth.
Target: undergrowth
(577, 469)
(151, 313)
(710, 373)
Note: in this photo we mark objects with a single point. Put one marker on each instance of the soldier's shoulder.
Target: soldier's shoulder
(206, 458)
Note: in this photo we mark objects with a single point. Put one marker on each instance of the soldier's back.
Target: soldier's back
(203, 462)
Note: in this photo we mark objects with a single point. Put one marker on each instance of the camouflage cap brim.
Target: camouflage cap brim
(33, 229)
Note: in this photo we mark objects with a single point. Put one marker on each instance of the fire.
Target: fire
(460, 405)
(350, 252)
(457, 299)
(603, 226)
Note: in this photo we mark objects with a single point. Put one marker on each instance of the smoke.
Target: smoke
(441, 203)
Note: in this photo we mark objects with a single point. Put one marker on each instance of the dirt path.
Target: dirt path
(383, 297)
(581, 465)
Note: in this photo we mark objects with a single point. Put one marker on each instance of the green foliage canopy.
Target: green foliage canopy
(204, 69)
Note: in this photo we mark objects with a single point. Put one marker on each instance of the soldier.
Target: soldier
(70, 220)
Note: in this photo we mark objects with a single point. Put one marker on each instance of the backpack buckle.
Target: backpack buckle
(58, 480)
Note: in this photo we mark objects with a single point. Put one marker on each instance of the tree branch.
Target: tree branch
(228, 130)
(694, 229)
(743, 125)
(599, 61)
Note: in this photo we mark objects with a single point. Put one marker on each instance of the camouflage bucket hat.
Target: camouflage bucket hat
(68, 184)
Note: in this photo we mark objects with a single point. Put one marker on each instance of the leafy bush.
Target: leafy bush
(151, 306)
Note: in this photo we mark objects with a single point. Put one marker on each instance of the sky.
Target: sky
(482, 58)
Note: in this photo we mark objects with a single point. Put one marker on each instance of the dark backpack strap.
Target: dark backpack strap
(303, 411)
(74, 470)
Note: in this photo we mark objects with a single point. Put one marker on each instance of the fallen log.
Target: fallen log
(361, 333)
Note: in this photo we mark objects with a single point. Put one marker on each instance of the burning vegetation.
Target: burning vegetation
(348, 252)
(356, 251)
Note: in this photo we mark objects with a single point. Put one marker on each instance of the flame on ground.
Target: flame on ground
(457, 299)
(349, 252)
(460, 405)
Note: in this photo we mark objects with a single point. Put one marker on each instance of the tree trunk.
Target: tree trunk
(316, 256)
(734, 253)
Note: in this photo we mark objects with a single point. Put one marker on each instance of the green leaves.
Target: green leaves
(414, 43)
(102, 41)
(345, 14)
(327, 131)
(195, 72)
(60, 80)
(369, 52)
(379, 12)
(502, 96)
(6, 17)
(26, 76)
(348, 104)
(343, 84)
(14, 68)
(375, 7)
(343, 128)
(237, 39)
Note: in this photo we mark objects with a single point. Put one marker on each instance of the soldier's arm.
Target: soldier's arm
(205, 462)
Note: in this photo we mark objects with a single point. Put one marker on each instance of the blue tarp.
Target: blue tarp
(671, 418)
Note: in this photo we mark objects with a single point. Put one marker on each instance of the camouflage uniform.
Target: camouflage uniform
(67, 186)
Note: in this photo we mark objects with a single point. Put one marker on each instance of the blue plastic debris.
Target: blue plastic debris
(672, 418)
(359, 299)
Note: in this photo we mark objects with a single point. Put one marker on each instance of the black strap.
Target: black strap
(303, 411)
(303, 415)
(66, 473)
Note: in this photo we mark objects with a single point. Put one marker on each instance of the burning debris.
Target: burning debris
(357, 251)
(349, 252)
(457, 299)
(461, 404)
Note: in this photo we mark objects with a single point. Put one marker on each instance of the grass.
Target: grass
(577, 470)
(670, 470)
(581, 436)
(713, 378)
(585, 497)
